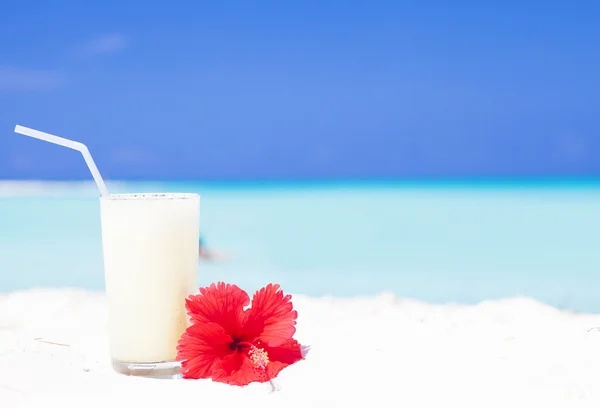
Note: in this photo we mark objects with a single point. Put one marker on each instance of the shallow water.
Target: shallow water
(435, 242)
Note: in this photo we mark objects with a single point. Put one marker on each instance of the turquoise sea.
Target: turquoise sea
(437, 242)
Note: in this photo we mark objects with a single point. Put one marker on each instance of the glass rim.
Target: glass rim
(150, 196)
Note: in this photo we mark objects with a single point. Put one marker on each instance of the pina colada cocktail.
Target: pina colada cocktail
(150, 246)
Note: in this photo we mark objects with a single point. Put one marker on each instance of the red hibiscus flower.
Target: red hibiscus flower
(236, 346)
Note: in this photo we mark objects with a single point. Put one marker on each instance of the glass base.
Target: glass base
(160, 369)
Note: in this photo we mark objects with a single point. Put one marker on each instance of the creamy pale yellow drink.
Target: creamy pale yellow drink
(150, 245)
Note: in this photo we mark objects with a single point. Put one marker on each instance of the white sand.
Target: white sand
(382, 351)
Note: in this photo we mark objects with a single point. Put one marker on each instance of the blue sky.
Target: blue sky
(301, 89)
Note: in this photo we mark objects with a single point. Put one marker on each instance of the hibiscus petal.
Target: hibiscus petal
(219, 303)
(271, 317)
(236, 369)
(201, 348)
(282, 356)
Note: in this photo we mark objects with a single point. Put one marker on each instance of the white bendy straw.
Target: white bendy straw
(71, 144)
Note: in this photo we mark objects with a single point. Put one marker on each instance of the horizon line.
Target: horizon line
(513, 180)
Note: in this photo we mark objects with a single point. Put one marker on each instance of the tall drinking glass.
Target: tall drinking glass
(150, 248)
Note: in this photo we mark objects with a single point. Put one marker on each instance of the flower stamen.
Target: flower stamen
(258, 357)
